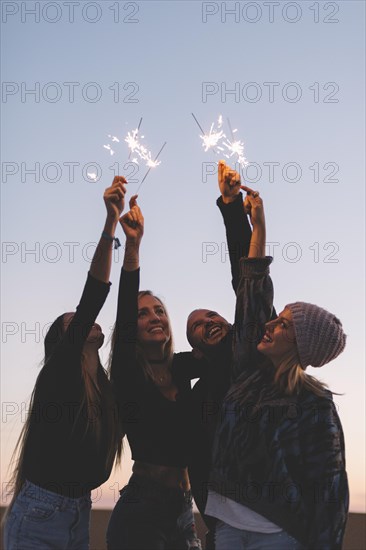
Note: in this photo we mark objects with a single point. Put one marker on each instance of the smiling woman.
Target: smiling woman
(278, 476)
(155, 508)
(153, 325)
(279, 339)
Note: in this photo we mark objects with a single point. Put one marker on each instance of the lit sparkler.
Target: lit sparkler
(152, 165)
(129, 156)
(139, 149)
(217, 140)
(136, 148)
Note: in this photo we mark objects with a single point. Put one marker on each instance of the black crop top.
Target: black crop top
(159, 431)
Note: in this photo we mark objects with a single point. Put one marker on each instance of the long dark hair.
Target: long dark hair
(91, 395)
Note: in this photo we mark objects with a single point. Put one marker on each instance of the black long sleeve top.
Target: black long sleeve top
(159, 431)
(62, 451)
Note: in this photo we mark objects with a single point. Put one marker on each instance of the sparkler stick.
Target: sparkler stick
(155, 159)
(198, 124)
(230, 128)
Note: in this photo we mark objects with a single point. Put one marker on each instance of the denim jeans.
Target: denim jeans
(227, 537)
(40, 520)
(150, 516)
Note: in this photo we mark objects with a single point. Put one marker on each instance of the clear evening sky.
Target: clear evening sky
(289, 75)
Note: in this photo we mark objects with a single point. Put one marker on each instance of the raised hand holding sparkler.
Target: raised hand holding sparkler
(230, 185)
(133, 222)
(133, 226)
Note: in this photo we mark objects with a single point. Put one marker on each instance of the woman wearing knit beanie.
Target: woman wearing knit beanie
(278, 478)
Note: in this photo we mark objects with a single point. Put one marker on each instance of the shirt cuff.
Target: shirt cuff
(96, 282)
(255, 268)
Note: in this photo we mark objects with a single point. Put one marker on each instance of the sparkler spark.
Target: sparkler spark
(155, 164)
(138, 148)
(236, 148)
(217, 140)
(109, 148)
(114, 138)
(211, 139)
(131, 140)
(92, 176)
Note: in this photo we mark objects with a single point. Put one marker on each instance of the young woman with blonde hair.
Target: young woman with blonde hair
(278, 476)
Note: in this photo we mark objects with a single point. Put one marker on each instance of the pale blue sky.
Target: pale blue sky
(169, 54)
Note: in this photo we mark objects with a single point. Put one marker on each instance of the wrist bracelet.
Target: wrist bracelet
(116, 240)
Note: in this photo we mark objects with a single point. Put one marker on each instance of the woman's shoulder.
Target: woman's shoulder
(319, 408)
(324, 398)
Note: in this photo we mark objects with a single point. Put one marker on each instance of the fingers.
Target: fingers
(247, 189)
(118, 179)
(114, 197)
(247, 205)
(234, 178)
(115, 193)
(221, 169)
(128, 219)
(254, 199)
(134, 217)
(133, 201)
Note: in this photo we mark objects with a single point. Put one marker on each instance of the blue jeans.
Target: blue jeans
(239, 539)
(40, 520)
(150, 516)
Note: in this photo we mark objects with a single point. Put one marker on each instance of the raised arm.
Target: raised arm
(97, 285)
(258, 241)
(114, 200)
(238, 230)
(254, 304)
(125, 373)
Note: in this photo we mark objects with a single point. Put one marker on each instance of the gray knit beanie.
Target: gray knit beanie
(319, 334)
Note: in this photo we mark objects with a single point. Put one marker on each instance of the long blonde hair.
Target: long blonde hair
(269, 382)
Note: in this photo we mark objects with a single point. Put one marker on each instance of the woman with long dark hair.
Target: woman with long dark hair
(70, 439)
(153, 385)
(278, 476)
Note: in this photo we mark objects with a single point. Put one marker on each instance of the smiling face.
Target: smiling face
(279, 339)
(206, 329)
(153, 324)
